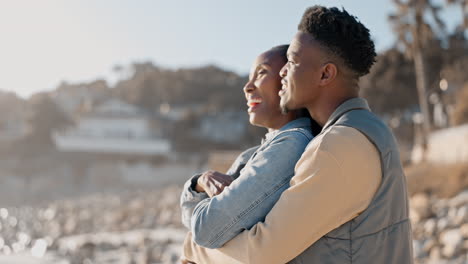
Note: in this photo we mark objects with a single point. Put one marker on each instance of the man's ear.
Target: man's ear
(329, 72)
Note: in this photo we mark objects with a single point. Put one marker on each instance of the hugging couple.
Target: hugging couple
(326, 185)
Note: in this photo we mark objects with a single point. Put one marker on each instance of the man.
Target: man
(347, 202)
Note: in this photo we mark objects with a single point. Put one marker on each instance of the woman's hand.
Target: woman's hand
(213, 183)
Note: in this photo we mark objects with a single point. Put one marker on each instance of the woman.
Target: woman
(215, 206)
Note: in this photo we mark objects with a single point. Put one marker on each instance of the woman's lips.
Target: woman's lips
(253, 104)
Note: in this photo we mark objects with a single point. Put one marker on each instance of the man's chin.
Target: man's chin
(284, 109)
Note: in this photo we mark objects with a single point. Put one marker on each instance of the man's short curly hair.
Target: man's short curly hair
(340, 33)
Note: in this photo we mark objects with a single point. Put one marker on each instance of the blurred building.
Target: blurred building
(113, 127)
(12, 128)
(13, 118)
(223, 127)
(178, 112)
(71, 98)
(445, 146)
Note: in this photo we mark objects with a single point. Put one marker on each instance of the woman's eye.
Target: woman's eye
(261, 72)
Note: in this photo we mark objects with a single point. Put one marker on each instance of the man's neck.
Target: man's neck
(321, 111)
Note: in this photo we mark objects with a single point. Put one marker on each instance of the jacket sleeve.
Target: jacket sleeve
(190, 198)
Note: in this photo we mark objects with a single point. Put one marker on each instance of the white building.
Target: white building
(113, 127)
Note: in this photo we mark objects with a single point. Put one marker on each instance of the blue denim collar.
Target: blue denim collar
(300, 122)
(296, 123)
(348, 105)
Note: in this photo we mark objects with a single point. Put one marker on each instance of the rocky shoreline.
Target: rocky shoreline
(440, 228)
(144, 227)
(134, 227)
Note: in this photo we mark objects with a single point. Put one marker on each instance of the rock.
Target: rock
(435, 254)
(464, 230)
(430, 227)
(442, 224)
(3, 213)
(428, 245)
(418, 249)
(461, 215)
(452, 214)
(440, 207)
(420, 205)
(39, 248)
(452, 240)
(460, 199)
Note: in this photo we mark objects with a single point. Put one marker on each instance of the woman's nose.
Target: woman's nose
(249, 87)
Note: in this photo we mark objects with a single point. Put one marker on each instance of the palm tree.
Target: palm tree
(413, 30)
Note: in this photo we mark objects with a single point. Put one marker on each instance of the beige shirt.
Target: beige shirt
(335, 180)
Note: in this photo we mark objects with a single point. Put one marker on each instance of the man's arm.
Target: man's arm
(249, 198)
(335, 180)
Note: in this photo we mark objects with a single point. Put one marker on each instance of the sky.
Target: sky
(43, 43)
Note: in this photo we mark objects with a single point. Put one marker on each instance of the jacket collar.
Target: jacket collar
(296, 123)
(346, 106)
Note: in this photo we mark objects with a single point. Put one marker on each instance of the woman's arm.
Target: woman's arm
(248, 199)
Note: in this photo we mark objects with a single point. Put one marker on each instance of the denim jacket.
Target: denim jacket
(215, 221)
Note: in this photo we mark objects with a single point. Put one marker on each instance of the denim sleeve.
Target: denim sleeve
(249, 199)
(190, 198)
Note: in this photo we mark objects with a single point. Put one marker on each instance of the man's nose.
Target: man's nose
(284, 71)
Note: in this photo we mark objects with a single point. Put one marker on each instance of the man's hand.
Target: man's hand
(213, 183)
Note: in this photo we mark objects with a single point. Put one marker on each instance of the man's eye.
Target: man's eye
(261, 72)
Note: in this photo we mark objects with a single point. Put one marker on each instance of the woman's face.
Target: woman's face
(261, 92)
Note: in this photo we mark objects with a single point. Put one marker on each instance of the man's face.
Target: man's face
(301, 74)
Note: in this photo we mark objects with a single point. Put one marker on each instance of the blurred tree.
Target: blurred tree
(45, 118)
(390, 86)
(460, 113)
(456, 60)
(10, 104)
(414, 31)
(142, 87)
(213, 87)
